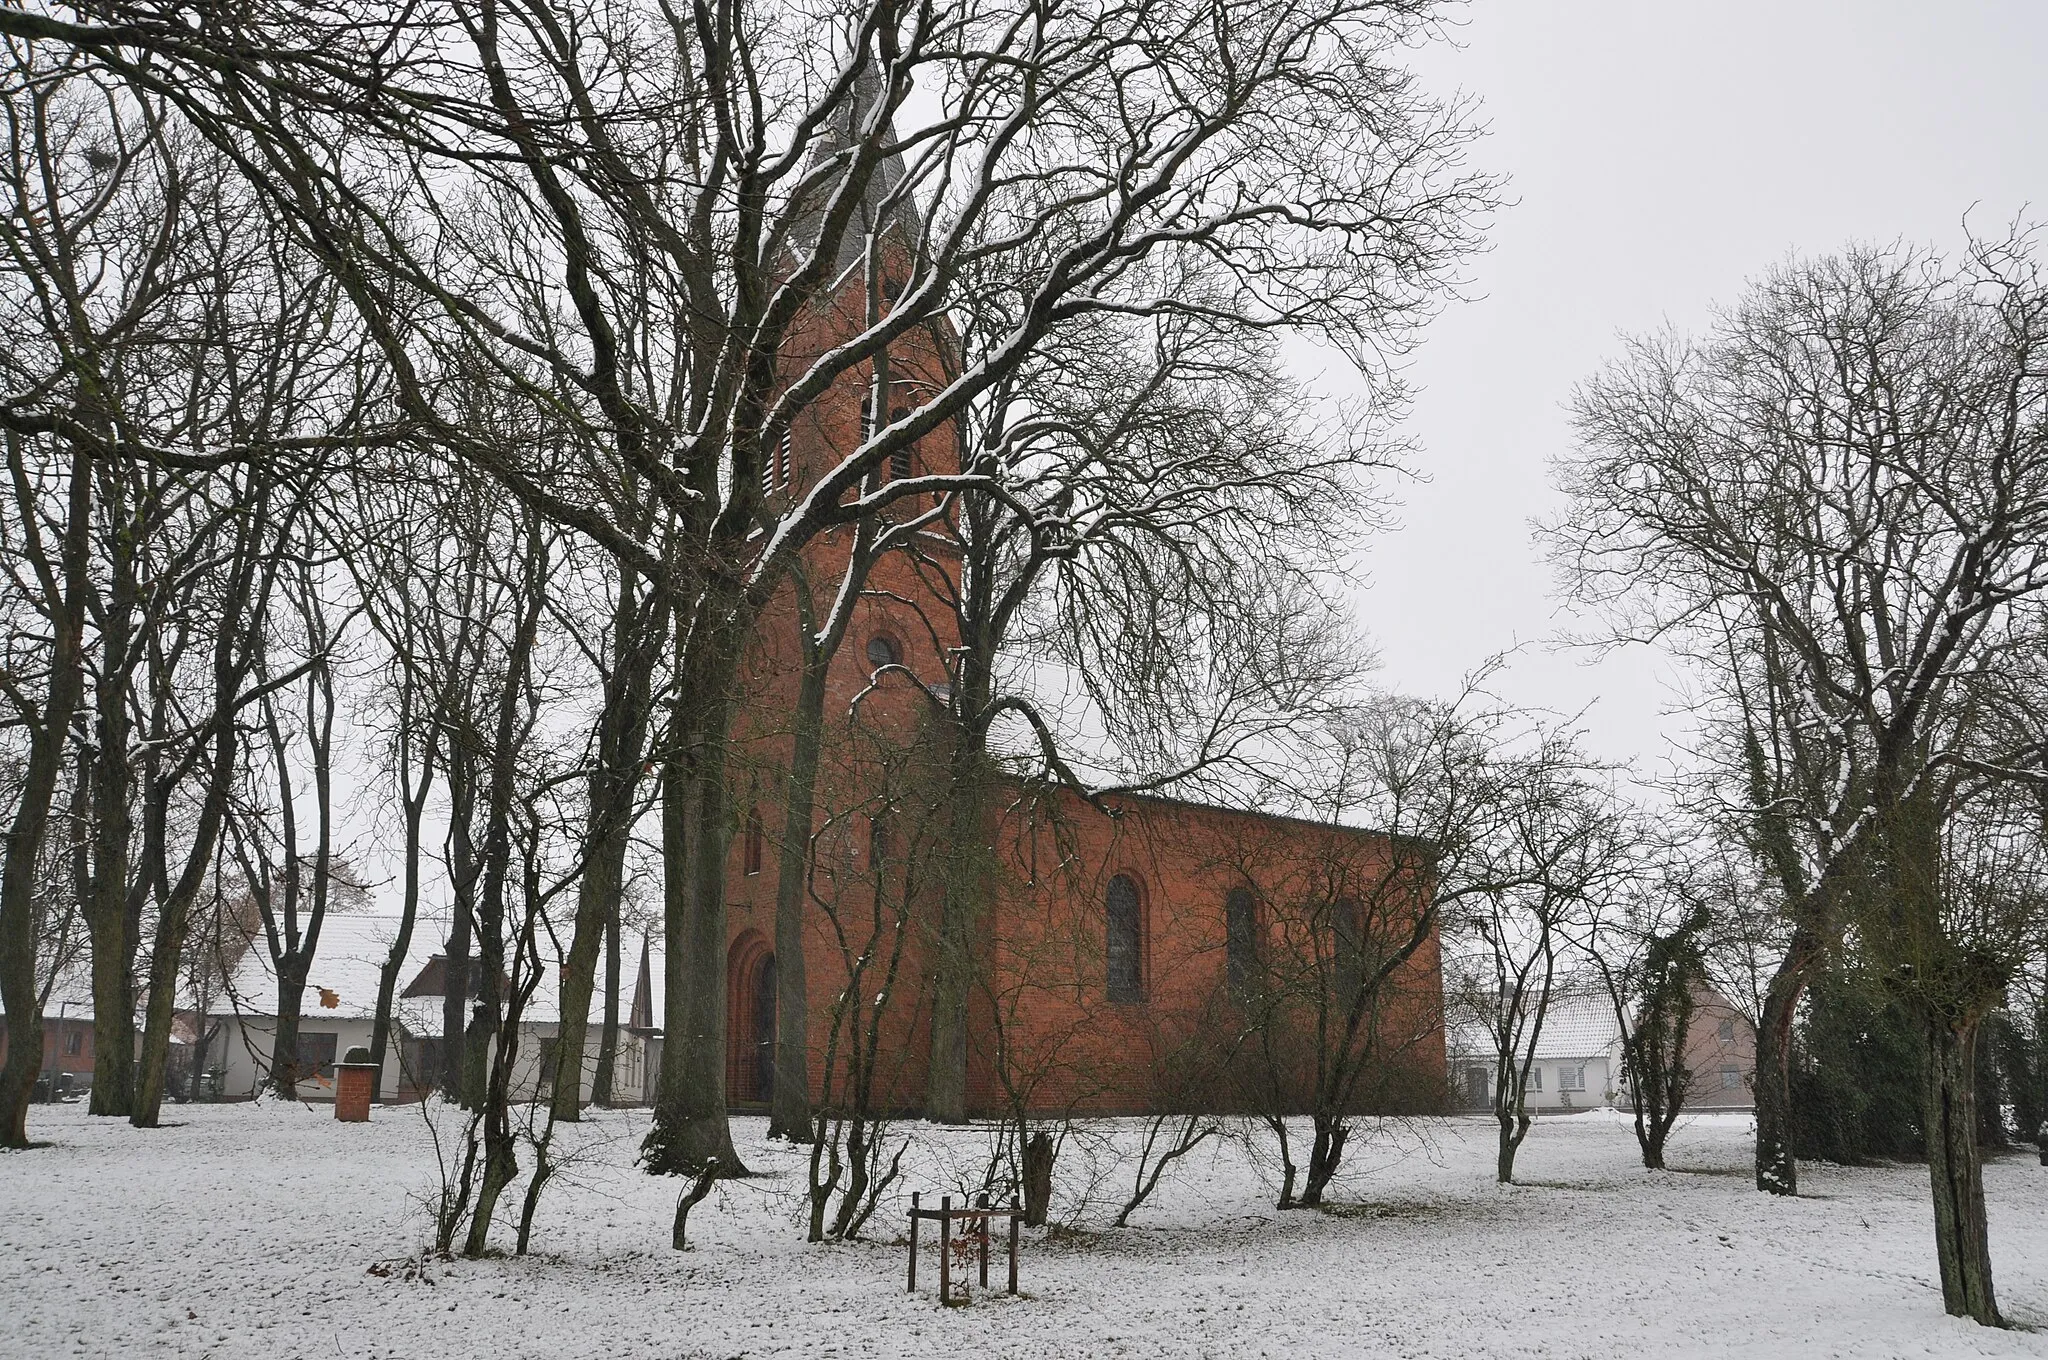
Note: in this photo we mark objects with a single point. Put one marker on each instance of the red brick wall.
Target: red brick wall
(58, 1036)
(1072, 1047)
(874, 738)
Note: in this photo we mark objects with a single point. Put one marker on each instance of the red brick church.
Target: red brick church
(1122, 947)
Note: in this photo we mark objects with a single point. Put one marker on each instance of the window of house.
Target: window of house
(74, 1043)
(1731, 1078)
(755, 843)
(1240, 941)
(1571, 1078)
(1535, 1079)
(1475, 1084)
(1124, 953)
(1727, 1031)
(883, 651)
(315, 1056)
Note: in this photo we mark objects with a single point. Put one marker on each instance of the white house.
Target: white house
(337, 1013)
(1577, 1062)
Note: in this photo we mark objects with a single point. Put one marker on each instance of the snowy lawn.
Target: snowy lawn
(252, 1231)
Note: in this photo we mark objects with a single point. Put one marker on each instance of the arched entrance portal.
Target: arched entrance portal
(750, 1021)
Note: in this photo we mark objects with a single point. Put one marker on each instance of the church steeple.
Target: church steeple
(887, 207)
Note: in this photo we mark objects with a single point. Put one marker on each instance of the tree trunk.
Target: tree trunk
(175, 915)
(107, 917)
(165, 960)
(1653, 1149)
(1955, 1167)
(1037, 1169)
(18, 911)
(1325, 1155)
(961, 911)
(608, 1038)
(1777, 1172)
(390, 973)
(1288, 1171)
(284, 1046)
(501, 1160)
(691, 1127)
(596, 901)
(614, 785)
(2040, 1131)
(455, 1002)
(789, 1115)
(202, 1040)
(1514, 1127)
(463, 874)
(113, 998)
(486, 1007)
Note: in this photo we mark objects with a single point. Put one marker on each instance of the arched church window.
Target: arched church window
(883, 651)
(1125, 951)
(1348, 925)
(755, 843)
(1240, 941)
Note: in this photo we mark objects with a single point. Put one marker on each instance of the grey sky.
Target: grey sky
(1662, 153)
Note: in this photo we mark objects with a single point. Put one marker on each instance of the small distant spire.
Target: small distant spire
(642, 1014)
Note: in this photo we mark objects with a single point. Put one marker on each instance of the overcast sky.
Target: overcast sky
(1660, 155)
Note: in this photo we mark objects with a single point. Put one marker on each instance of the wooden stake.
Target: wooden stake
(1016, 1216)
(913, 1241)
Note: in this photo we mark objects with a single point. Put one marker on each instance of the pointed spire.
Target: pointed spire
(876, 213)
(642, 1014)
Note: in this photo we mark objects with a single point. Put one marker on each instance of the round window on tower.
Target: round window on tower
(882, 651)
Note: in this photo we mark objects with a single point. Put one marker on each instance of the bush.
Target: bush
(1856, 1074)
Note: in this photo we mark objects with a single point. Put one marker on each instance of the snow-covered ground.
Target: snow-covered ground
(253, 1231)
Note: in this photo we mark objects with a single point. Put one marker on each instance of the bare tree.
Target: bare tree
(394, 606)
(1837, 505)
(871, 880)
(1332, 1021)
(1649, 951)
(1161, 528)
(82, 274)
(1563, 845)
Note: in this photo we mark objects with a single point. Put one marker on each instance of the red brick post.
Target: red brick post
(354, 1079)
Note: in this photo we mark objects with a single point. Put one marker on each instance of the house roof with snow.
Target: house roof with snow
(1577, 1025)
(342, 982)
(426, 983)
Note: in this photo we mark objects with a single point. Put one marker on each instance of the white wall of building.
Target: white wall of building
(1549, 1078)
(241, 1052)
